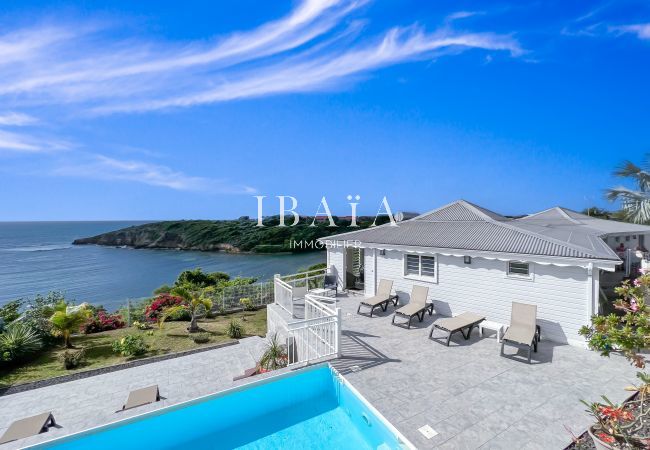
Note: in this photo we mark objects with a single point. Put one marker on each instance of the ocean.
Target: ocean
(38, 257)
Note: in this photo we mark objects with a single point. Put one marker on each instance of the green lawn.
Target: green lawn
(172, 338)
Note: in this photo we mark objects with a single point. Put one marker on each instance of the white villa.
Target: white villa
(473, 259)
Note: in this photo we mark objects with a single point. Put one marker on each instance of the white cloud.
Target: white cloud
(641, 30)
(308, 50)
(463, 15)
(315, 73)
(100, 167)
(27, 143)
(16, 119)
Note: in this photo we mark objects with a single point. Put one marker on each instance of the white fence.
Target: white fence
(318, 335)
(283, 294)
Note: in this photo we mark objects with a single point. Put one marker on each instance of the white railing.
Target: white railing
(310, 279)
(283, 295)
(318, 335)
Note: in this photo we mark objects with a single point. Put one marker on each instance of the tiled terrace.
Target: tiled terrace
(466, 392)
(469, 394)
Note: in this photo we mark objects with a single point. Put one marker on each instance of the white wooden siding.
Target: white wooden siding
(369, 271)
(560, 293)
(336, 259)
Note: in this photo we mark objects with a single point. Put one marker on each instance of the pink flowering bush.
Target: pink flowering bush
(155, 310)
(102, 321)
(628, 330)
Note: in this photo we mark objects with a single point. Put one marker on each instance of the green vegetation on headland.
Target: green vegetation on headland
(240, 235)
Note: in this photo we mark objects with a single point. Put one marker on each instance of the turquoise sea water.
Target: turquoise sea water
(38, 257)
(321, 412)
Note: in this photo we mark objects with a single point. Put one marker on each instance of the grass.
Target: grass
(172, 338)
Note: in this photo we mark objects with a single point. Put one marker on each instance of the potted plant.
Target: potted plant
(274, 357)
(625, 331)
(625, 426)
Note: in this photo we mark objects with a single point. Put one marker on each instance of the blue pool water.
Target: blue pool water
(310, 409)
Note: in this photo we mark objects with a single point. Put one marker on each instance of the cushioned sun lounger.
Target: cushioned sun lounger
(523, 330)
(382, 299)
(140, 397)
(29, 426)
(416, 306)
(451, 325)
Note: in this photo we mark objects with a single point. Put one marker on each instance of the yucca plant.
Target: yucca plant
(17, 341)
(235, 329)
(275, 356)
(68, 319)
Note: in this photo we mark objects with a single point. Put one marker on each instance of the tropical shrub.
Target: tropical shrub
(18, 342)
(275, 356)
(38, 312)
(154, 311)
(235, 329)
(72, 359)
(103, 321)
(195, 302)
(164, 289)
(130, 345)
(627, 330)
(247, 304)
(68, 319)
(11, 311)
(142, 325)
(199, 279)
(200, 338)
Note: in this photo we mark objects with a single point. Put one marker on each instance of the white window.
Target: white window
(419, 266)
(520, 269)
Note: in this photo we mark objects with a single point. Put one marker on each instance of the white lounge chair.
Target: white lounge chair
(381, 299)
(416, 306)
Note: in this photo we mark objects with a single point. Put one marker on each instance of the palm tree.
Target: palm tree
(196, 302)
(635, 203)
(68, 319)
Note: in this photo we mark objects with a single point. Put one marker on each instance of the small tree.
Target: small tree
(68, 319)
(196, 302)
(627, 332)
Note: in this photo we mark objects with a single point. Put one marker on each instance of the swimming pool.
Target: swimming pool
(313, 408)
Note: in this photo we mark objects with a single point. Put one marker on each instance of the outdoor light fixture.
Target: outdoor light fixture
(382, 252)
(467, 259)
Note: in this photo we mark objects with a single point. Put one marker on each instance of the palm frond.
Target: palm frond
(630, 170)
(635, 204)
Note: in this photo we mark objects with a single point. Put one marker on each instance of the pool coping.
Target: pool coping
(165, 409)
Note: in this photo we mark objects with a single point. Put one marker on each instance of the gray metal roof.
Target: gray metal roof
(566, 218)
(464, 226)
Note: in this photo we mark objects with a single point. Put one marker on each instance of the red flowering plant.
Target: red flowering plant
(155, 311)
(102, 321)
(625, 426)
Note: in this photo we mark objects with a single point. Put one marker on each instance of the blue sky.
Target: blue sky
(146, 110)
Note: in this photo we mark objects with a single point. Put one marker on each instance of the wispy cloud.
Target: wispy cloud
(16, 119)
(100, 167)
(27, 143)
(463, 15)
(302, 52)
(96, 67)
(641, 30)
